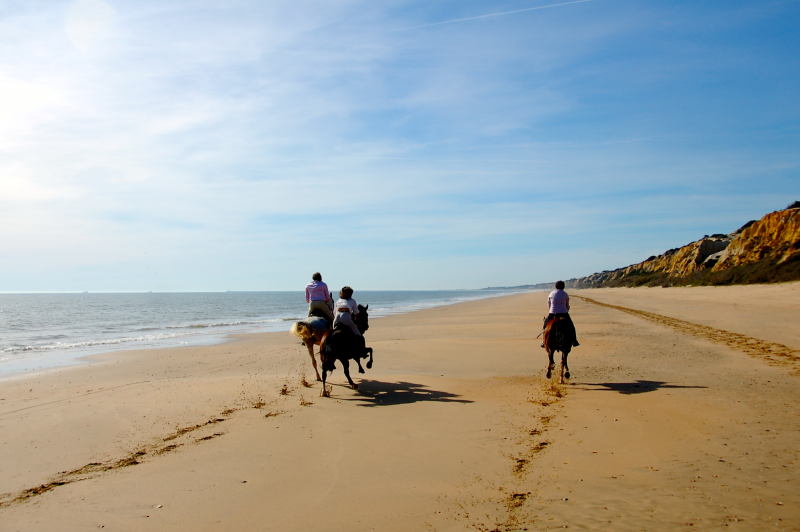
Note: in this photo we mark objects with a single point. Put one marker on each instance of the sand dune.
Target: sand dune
(682, 411)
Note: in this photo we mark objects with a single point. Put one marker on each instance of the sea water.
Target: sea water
(46, 330)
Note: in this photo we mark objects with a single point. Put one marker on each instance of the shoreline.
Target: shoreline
(53, 357)
(453, 428)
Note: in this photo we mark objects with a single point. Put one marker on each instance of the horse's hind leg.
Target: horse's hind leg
(369, 362)
(310, 344)
(550, 364)
(564, 366)
(346, 365)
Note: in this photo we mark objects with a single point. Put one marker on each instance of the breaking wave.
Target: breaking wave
(92, 343)
(227, 323)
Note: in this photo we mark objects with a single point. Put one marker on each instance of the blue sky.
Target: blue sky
(243, 145)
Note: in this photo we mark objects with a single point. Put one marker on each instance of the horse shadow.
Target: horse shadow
(633, 388)
(377, 393)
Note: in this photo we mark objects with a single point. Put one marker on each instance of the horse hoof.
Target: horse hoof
(567, 374)
(319, 379)
(355, 386)
(369, 365)
(360, 370)
(548, 373)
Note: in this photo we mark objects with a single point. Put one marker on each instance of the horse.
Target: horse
(341, 344)
(312, 330)
(558, 336)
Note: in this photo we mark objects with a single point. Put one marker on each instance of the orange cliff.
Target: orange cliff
(776, 236)
(764, 245)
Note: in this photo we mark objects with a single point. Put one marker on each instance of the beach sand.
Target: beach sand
(682, 411)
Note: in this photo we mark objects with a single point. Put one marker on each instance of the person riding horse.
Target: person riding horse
(318, 297)
(346, 311)
(558, 303)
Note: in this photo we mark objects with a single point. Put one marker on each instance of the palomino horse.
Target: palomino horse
(312, 330)
(344, 346)
(558, 336)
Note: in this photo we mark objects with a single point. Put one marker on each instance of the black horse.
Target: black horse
(341, 344)
(559, 336)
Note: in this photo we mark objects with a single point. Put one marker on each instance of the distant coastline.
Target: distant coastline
(537, 286)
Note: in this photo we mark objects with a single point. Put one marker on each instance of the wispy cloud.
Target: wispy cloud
(491, 15)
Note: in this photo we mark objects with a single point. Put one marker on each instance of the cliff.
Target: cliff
(775, 237)
(766, 250)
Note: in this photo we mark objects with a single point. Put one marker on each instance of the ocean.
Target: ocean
(47, 330)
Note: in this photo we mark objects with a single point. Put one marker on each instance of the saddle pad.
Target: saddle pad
(319, 324)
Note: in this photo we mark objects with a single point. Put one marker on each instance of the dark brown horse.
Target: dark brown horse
(558, 336)
(342, 345)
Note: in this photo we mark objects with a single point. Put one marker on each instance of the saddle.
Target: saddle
(319, 314)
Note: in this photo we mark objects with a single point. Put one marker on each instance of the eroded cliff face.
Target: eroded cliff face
(687, 259)
(776, 236)
(675, 262)
(774, 239)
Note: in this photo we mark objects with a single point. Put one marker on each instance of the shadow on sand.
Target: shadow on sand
(631, 388)
(377, 393)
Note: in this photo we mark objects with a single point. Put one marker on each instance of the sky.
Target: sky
(243, 145)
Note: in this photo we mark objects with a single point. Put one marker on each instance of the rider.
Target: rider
(318, 297)
(346, 310)
(558, 302)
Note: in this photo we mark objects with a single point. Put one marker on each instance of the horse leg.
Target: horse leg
(551, 364)
(346, 365)
(564, 364)
(358, 361)
(369, 362)
(310, 344)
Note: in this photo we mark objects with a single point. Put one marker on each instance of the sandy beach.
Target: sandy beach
(682, 411)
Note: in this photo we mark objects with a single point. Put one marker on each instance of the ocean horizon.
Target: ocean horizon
(43, 330)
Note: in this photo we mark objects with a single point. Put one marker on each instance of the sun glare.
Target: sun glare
(89, 22)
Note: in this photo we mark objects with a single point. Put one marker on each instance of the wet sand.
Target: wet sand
(682, 411)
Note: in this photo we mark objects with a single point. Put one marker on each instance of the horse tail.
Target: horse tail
(326, 353)
(548, 330)
(301, 329)
(322, 341)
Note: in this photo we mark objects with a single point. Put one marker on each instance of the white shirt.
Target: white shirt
(347, 304)
(558, 300)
